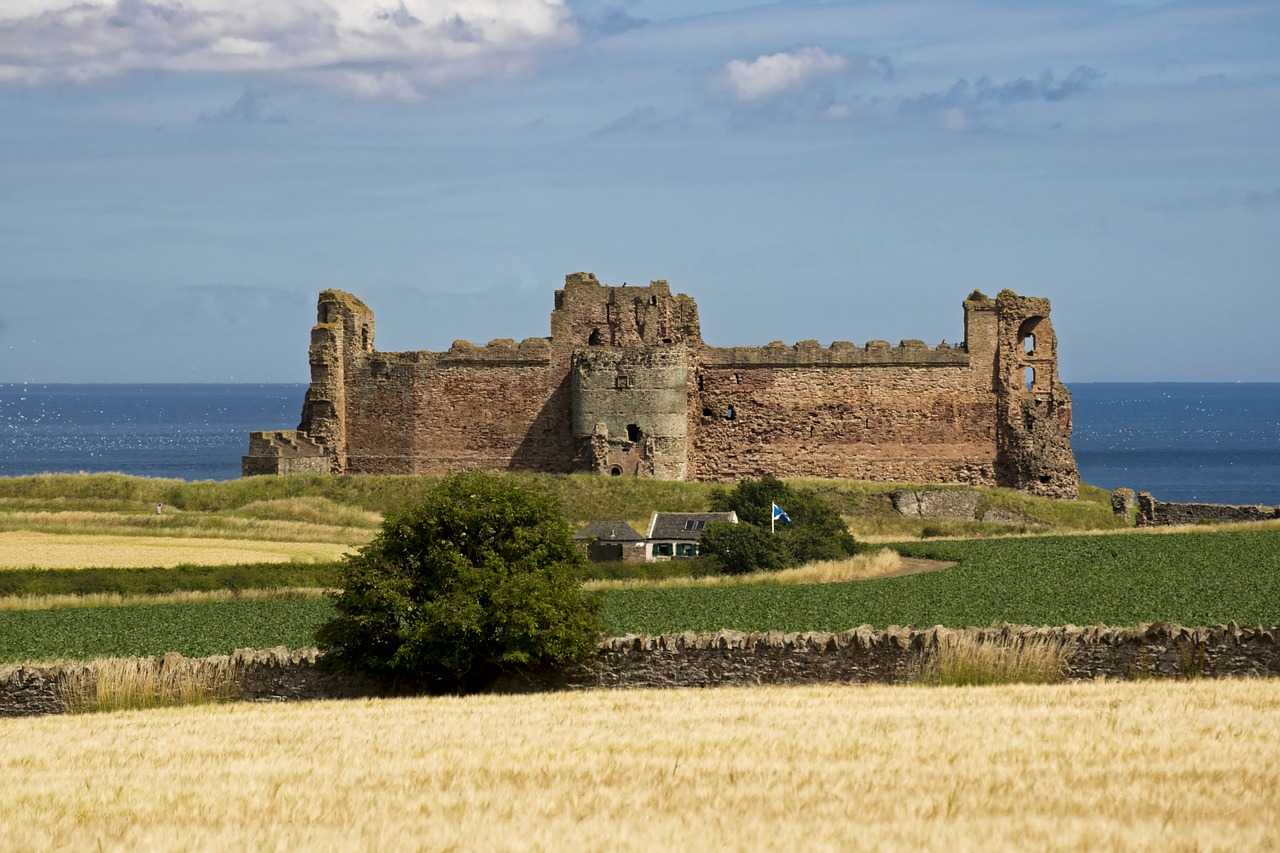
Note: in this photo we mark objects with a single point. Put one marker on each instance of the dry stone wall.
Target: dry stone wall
(1155, 513)
(861, 655)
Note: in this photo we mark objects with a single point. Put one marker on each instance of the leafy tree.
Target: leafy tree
(481, 577)
(742, 548)
(816, 531)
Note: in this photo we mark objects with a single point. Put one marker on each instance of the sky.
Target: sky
(179, 178)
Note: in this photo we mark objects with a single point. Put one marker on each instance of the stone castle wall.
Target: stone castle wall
(625, 386)
(862, 655)
(1156, 513)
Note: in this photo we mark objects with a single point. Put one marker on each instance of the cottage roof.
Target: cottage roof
(685, 526)
(609, 531)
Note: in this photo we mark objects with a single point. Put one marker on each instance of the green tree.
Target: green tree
(742, 548)
(479, 578)
(816, 531)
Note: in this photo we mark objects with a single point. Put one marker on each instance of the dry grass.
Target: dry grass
(311, 510)
(25, 549)
(179, 525)
(114, 599)
(883, 563)
(962, 661)
(1156, 766)
(128, 684)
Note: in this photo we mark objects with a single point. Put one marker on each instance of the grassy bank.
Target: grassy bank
(1192, 578)
(345, 508)
(157, 581)
(1192, 766)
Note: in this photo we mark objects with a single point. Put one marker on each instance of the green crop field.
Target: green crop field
(1192, 578)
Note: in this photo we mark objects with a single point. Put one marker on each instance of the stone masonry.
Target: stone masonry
(625, 386)
(862, 655)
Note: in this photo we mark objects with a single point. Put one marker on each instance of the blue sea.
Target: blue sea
(1181, 441)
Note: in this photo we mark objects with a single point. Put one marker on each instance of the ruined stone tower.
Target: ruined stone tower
(625, 386)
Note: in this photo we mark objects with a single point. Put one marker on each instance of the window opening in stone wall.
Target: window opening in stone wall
(700, 382)
(737, 378)
(364, 338)
(1029, 377)
(1030, 343)
(593, 340)
(730, 414)
(653, 300)
(708, 412)
(615, 471)
(633, 433)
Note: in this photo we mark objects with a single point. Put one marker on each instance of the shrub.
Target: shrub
(962, 661)
(480, 578)
(743, 548)
(816, 531)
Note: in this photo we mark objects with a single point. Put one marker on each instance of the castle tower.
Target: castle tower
(1033, 427)
(344, 330)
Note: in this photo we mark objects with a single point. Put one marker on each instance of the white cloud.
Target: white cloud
(772, 73)
(396, 48)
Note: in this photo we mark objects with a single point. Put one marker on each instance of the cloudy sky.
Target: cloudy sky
(179, 177)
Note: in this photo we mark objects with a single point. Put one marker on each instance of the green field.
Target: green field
(1192, 578)
(177, 579)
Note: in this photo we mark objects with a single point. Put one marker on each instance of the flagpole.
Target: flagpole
(773, 518)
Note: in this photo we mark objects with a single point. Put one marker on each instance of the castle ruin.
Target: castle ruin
(625, 386)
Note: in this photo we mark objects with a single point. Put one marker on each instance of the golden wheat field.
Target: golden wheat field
(20, 549)
(1168, 766)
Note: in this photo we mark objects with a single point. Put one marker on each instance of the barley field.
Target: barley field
(21, 549)
(1168, 766)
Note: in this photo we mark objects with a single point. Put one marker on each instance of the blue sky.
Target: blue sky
(178, 180)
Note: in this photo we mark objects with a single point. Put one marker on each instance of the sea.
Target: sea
(1215, 442)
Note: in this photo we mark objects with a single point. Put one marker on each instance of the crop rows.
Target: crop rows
(1197, 579)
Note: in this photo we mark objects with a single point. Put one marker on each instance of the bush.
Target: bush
(742, 548)
(816, 531)
(480, 578)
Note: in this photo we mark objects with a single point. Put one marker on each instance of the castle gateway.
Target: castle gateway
(625, 386)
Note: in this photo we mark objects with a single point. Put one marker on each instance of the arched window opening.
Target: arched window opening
(593, 340)
(653, 300)
(615, 471)
(730, 414)
(1029, 378)
(1029, 342)
(633, 433)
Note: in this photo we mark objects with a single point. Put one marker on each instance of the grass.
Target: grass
(130, 684)
(157, 581)
(1187, 766)
(179, 524)
(960, 661)
(584, 497)
(21, 549)
(115, 599)
(859, 567)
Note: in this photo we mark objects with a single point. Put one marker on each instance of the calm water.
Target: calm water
(1211, 442)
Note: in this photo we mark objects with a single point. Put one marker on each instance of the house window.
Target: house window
(686, 549)
(689, 525)
(700, 525)
(662, 549)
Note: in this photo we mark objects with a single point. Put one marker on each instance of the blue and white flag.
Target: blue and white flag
(780, 514)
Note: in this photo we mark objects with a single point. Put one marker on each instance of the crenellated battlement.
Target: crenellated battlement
(625, 386)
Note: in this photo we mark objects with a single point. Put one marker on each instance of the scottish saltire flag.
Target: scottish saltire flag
(780, 514)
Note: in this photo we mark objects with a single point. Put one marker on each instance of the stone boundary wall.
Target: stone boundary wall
(861, 655)
(1156, 513)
